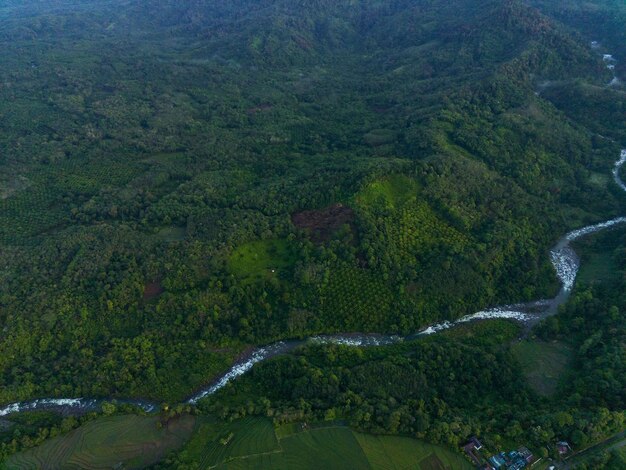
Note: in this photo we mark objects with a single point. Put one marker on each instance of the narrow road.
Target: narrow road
(614, 442)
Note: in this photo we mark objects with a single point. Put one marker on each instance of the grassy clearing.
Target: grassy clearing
(126, 441)
(171, 234)
(328, 448)
(599, 179)
(544, 364)
(598, 259)
(392, 192)
(261, 259)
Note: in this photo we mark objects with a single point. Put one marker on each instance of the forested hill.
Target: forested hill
(180, 180)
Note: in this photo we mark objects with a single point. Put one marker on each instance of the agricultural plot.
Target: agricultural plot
(41, 205)
(261, 259)
(126, 441)
(417, 228)
(402, 225)
(544, 364)
(355, 297)
(215, 443)
(394, 453)
(328, 448)
(333, 447)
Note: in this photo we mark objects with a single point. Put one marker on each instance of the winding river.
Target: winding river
(563, 257)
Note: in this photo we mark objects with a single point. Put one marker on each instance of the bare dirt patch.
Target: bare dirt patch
(152, 290)
(322, 224)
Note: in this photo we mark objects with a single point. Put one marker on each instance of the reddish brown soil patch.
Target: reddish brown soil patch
(322, 224)
(152, 290)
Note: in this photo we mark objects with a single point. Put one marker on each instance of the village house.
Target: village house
(563, 447)
(472, 449)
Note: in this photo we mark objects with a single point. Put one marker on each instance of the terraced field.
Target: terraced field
(126, 441)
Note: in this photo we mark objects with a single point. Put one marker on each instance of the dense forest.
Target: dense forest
(180, 181)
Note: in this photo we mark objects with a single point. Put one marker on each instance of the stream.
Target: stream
(563, 257)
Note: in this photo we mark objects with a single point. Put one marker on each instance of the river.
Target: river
(563, 257)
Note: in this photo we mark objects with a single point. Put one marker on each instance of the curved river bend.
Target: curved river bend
(563, 257)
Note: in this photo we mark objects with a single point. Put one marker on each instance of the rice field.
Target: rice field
(354, 297)
(125, 441)
(253, 443)
(133, 442)
(394, 453)
(215, 442)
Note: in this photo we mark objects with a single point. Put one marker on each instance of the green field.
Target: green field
(252, 443)
(598, 267)
(393, 192)
(392, 453)
(215, 442)
(126, 441)
(544, 364)
(261, 259)
(599, 260)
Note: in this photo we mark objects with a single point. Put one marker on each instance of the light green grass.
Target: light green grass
(392, 192)
(261, 259)
(544, 364)
(127, 441)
